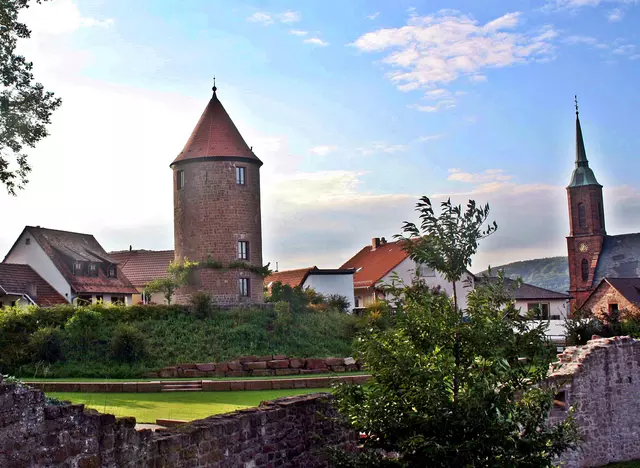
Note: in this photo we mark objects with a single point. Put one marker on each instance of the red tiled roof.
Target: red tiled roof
(143, 266)
(21, 279)
(215, 135)
(372, 265)
(291, 277)
(63, 248)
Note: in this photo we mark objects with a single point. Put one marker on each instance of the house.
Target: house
(143, 266)
(324, 281)
(551, 306)
(378, 263)
(613, 295)
(601, 266)
(74, 264)
(20, 285)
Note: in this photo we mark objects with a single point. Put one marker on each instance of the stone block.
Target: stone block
(235, 385)
(361, 379)
(265, 358)
(234, 365)
(130, 387)
(338, 369)
(168, 372)
(287, 371)
(278, 384)
(279, 364)
(279, 357)
(352, 368)
(149, 387)
(216, 386)
(222, 367)
(296, 363)
(349, 361)
(187, 366)
(235, 374)
(194, 373)
(299, 383)
(334, 362)
(315, 363)
(113, 387)
(254, 365)
(318, 382)
(313, 371)
(244, 359)
(206, 367)
(262, 372)
(257, 385)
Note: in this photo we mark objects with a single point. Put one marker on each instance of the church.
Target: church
(604, 270)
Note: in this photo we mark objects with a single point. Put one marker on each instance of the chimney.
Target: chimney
(375, 243)
(32, 290)
(383, 241)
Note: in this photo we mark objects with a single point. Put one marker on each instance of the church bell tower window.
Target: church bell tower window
(585, 269)
(582, 218)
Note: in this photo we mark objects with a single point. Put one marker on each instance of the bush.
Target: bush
(45, 345)
(201, 305)
(128, 344)
(83, 330)
(338, 302)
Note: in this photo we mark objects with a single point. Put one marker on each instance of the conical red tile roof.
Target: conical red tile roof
(215, 136)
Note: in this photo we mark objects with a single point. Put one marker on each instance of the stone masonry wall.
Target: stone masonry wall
(289, 432)
(602, 381)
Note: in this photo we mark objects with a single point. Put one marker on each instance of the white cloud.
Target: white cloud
(316, 41)
(589, 40)
(489, 176)
(438, 106)
(626, 49)
(615, 15)
(267, 18)
(374, 15)
(432, 51)
(478, 78)
(297, 32)
(59, 17)
(381, 147)
(431, 137)
(323, 150)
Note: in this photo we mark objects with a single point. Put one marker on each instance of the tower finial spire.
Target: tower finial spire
(575, 100)
(214, 85)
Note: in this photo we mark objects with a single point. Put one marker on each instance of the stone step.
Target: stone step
(190, 389)
(182, 386)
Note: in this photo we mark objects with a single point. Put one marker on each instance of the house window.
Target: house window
(243, 250)
(585, 269)
(77, 268)
(180, 180)
(540, 309)
(117, 300)
(111, 271)
(357, 301)
(613, 308)
(582, 218)
(93, 269)
(240, 175)
(84, 299)
(243, 287)
(27, 241)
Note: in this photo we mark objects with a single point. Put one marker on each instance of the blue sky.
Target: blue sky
(357, 109)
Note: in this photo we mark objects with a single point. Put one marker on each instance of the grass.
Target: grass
(94, 379)
(147, 407)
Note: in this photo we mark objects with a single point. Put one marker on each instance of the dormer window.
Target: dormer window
(93, 269)
(240, 175)
(112, 271)
(77, 268)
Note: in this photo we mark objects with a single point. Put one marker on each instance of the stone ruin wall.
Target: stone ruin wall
(601, 380)
(289, 432)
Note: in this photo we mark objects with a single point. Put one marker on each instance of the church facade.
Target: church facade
(594, 257)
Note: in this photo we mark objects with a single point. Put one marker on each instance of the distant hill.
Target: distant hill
(549, 273)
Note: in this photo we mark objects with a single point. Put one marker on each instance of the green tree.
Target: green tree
(450, 390)
(25, 107)
(177, 276)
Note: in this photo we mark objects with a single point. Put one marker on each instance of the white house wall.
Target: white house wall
(558, 307)
(34, 256)
(406, 272)
(332, 284)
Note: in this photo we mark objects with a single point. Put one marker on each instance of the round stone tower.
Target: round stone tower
(216, 200)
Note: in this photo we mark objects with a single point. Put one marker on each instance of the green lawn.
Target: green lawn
(147, 407)
(90, 379)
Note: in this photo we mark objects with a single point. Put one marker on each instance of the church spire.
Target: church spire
(582, 174)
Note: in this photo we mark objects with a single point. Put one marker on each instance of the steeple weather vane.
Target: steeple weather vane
(214, 84)
(575, 100)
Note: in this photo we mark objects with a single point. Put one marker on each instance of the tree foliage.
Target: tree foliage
(25, 107)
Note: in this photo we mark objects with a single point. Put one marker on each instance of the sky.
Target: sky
(357, 109)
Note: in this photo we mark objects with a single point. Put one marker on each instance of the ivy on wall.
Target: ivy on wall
(185, 267)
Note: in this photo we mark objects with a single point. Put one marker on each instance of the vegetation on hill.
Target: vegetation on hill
(126, 342)
(549, 273)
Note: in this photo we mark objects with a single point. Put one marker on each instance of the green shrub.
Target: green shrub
(46, 344)
(128, 344)
(84, 330)
(201, 305)
(338, 302)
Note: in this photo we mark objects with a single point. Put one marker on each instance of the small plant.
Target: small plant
(45, 345)
(201, 305)
(284, 318)
(338, 302)
(128, 344)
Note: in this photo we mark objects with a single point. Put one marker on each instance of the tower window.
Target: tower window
(243, 250)
(240, 175)
(180, 180)
(585, 269)
(243, 287)
(582, 218)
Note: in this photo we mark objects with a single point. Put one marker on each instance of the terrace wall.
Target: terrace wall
(289, 432)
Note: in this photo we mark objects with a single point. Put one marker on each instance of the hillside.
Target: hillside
(549, 273)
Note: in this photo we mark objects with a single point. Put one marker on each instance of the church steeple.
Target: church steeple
(582, 174)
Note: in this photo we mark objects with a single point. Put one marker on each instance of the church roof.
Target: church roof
(619, 257)
(582, 174)
(216, 136)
